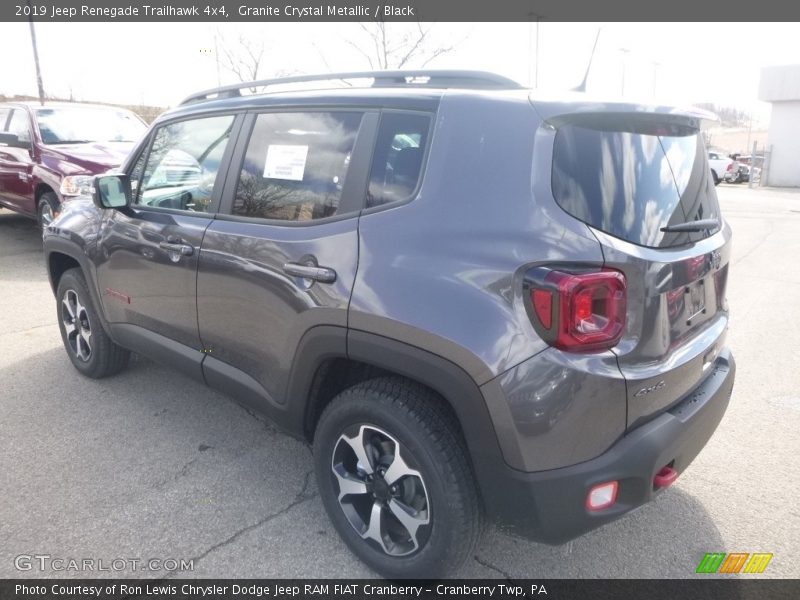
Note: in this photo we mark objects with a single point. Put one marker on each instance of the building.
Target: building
(781, 87)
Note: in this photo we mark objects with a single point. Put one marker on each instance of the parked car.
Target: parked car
(739, 170)
(48, 153)
(475, 304)
(720, 163)
(738, 173)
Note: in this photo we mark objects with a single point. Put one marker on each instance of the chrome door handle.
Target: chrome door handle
(182, 249)
(321, 274)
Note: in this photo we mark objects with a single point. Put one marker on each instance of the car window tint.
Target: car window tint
(20, 125)
(183, 164)
(3, 118)
(296, 165)
(630, 184)
(397, 161)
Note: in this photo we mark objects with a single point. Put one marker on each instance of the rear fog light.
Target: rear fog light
(602, 496)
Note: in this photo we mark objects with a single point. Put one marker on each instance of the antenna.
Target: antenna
(582, 86)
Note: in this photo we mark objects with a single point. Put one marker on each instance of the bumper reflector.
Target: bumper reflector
(602, 496)
(665, 477)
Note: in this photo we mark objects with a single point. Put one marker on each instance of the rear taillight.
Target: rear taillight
(730, 167)
(578, 311)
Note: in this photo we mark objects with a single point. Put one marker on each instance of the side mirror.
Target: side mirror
(12, 141)
(112, 191)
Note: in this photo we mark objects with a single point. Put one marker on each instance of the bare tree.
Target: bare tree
(247, 58)
(395, 46)
(243, 58)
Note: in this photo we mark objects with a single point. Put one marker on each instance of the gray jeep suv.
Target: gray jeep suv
(476, 304)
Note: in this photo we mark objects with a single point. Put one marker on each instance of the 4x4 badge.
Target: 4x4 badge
(651, 388)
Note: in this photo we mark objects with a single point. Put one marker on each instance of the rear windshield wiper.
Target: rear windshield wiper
(700, 225)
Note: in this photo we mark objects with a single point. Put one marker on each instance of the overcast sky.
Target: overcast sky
(159, 64)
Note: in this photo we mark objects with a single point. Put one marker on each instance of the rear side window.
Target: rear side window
(3, 118)
(296, 165)
(631, 184)
(397, 161)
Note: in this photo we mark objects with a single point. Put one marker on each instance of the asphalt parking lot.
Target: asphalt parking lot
(150, 464)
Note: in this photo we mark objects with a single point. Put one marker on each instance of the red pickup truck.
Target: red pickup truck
(49, 153)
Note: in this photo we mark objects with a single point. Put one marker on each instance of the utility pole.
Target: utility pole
(536, 72)
(655, 76)
(533, 59)
(216, 58)
(530, 52)
(36, 54)
(625, 52)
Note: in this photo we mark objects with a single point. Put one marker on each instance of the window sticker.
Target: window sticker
(285, 162)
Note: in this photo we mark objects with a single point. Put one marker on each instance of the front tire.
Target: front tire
(394, 477)
(47, 209)
(88, 346)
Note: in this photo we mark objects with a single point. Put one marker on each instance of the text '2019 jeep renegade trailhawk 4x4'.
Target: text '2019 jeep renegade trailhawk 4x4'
(473, 302)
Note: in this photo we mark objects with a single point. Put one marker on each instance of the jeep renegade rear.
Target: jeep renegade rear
(474, 303)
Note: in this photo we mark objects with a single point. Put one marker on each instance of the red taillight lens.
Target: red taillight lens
(589, 309)
(583, 305)
(543, 305)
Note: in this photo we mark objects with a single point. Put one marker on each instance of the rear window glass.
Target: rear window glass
(631, 184)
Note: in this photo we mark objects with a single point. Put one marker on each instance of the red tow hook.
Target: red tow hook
(665, 477)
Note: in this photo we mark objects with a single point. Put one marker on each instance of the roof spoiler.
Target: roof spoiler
(577, 109)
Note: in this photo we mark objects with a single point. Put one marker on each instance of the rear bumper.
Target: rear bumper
(550, 505)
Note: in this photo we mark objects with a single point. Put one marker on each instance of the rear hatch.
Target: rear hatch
(642, 183)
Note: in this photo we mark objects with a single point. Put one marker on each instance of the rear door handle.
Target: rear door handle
(321, 274)
(182, 249)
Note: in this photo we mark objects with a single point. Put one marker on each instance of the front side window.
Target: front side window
(182, 165)
(296, 165)
(397, 162)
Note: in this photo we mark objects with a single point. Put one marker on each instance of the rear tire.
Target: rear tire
(88, 346)
(714, 176)
(47, 209)
(426, 505)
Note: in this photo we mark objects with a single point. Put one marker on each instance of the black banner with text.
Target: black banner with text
(555, 589)
(395, 10)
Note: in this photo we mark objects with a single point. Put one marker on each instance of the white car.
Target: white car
(719, 163)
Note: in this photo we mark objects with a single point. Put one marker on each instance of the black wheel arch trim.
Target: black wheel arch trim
(318, 345)
(67, 247)
(444, 377)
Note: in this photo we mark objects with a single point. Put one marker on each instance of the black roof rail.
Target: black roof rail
(416, 78)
